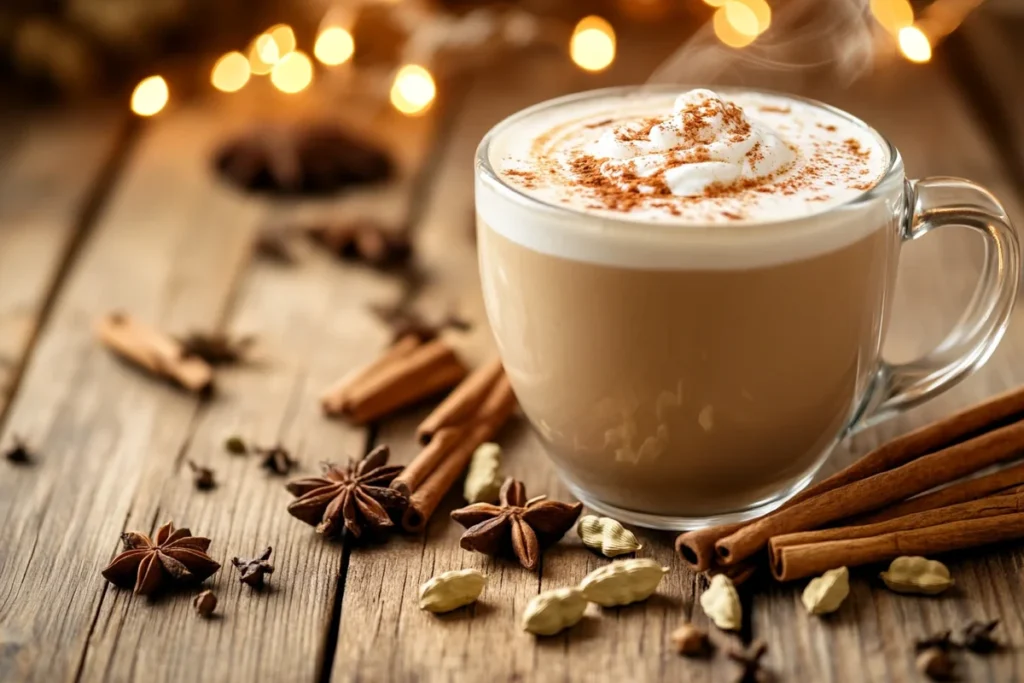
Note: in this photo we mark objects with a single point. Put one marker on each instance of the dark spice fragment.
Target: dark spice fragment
(252, 571)
(274, 245)
(690, 641)
(524, 526)
(19, 452)
(935, 663)
(366, 240)
(277, 459)
(941, 640)
(404, 321)
(236, 445)
(301, 158)
(977, 637)
(215, 348)
(750, 660)
(205, 603)
(202, 477)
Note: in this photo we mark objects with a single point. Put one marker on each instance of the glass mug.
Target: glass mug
(673, 394)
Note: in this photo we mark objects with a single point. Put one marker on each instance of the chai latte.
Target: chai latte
(688, 297)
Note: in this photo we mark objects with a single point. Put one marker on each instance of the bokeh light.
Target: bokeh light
(726, 33)
(413, 89)
(231, 72)
(914, 44)
(150, 96)
(334, 46)
(893, 15)
(592, 46)
(293, 73)
(741, 17)
(284, 39)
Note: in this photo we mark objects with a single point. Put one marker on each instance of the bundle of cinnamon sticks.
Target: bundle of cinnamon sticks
(471, 415)
(411, 369)
(915, 495)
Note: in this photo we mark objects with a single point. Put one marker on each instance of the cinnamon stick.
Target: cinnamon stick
(154, 351)
(697, 547)
(809, 559)
(424, 371)
(461, 403)
(738, 573)
(960, 492)
(335, 399)
(493, 414)
(877, 491)
(429, 458)
(991, 506)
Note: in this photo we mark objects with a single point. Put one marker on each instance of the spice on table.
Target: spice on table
(275, 459)
(690, 641)
(205, 603)
(272, 244)
(19, 452)
(827, 592)
(623, 582)
(935, 663)
(977, 637)
(158, 353)
(917, 575)
(409, 371)
(452, 590)
(236, 445)
(216, 348)
(721, 603)
(202, 477)
(553, 611)
(483, 479)
(403, 321)
(436, 468)
(365, 240)
(607, 536)
(172, 555)
(942, 640)
(355, 499)
(527, 526)
(936, 454)
(252, 572)
(750, 659)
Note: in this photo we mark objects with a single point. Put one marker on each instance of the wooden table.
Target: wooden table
(98, 215)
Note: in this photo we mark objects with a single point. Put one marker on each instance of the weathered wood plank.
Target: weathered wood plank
(53, 166)
(872, 636)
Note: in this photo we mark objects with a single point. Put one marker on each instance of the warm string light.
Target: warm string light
(737, 23)
(334, 46)
(293, 72)
(893, 15)
(150, 96)
(413, 90)
(592, 46)
(231, 72)
(914, 44)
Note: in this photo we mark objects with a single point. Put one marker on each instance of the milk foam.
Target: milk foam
(709, 202)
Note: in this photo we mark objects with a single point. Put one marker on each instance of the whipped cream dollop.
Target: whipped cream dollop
(707, 142)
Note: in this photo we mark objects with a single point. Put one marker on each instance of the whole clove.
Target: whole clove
(276, 459)
(18, 452)
(252, 571)
(202, 477)
(750, 660)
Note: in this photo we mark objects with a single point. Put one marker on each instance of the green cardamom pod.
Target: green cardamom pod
(483, 480)
(452, 590)
(826, 593)
(721, 603)
(623, 582)
(919, 575)
(552, 611)
(607, 536)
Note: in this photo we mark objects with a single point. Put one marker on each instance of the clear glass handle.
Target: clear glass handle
(934, 203)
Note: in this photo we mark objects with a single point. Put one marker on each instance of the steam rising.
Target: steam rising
(807, 40)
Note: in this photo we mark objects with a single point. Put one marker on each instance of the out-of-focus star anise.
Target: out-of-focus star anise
(355, 498)
(527, 526)
(364, 239)
(305, 157)
(171, 555)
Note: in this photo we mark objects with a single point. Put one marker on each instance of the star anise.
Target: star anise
(251, 572)
(276, 459)
(215, 348)
(302, 158)
(528, 526)
(354, 499)
(366, 240)
(171, 555)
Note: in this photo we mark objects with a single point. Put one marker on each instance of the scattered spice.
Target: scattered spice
(301, 158)
(236, 445)
(355, 499)
(215, 348)
(552, 611)
(173, 555)
(272, 244)
(404, 321)
(941, 640)
(917, 575)
(690, 641)
(977, 636)
(607, 536)
(276, 459)
(623, 582)
(366, 240)
(452, 590)
(251, 572)
(935, 663)
(202, 477)
(526, 526)
(722, 604)
(19, 452)
(205, 603)
(750, 660)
